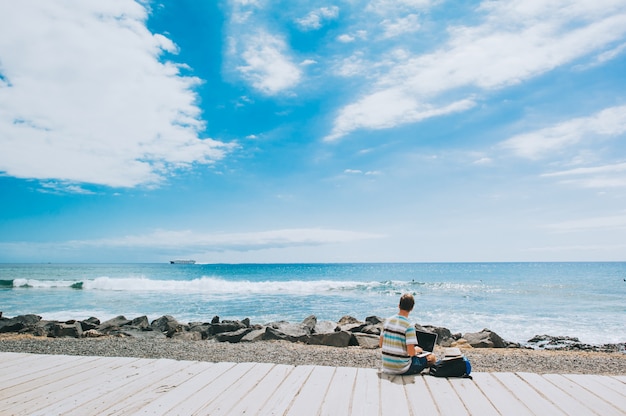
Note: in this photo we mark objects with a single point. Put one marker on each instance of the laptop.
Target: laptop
(426, 341)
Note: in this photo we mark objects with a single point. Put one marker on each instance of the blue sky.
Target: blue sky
(292, 131)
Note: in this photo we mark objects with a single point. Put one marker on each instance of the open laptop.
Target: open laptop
(426, 341)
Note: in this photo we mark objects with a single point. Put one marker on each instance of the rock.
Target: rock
(226, 326)
(203, 328)
(234, 336)
(141, 322)
(186, 336)
(332, 339)
(346, 320)
(310, 322)
(168, 325)
(254, 335)
(444, 336)
(366, 340)
(215, 320)
(484, 339)
(63, 330)
(286, 333)
(18, 323)
(374, 320)
(92, 333)
(114, 323)
(325, 327)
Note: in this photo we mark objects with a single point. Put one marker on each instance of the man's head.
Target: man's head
(407, 302)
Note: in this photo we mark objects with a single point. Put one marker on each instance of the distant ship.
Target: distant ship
(182, 262)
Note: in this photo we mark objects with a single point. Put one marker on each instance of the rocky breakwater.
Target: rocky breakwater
(348, 331)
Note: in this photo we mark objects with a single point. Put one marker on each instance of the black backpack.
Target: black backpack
(452, 367)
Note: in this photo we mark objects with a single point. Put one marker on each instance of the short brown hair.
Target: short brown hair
(407, 302)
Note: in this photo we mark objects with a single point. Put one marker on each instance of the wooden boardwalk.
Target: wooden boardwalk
(70, 385)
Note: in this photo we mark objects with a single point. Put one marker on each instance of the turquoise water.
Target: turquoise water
(516, 300)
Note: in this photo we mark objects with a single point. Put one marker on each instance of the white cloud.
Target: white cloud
(595, 223)
(315, 19)
(400, 26)
(607, 176)
(87, 98)
(610, 122)
(516, 41)
(268, 67)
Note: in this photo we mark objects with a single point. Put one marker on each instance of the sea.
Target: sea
(586, 300)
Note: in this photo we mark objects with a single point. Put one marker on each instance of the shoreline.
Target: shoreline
(294, 353)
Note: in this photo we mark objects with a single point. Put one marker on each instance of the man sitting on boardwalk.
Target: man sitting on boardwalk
(398, 343)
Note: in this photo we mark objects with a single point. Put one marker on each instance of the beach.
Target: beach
(282, 352)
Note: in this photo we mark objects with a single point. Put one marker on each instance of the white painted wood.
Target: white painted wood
(447, 400)
(419, 396)
(502, 398)
(138, 396)
(473, 398)
(34, 400)
(251, 403)
(309, 399)
(103, 391)
(338, 400)
(366, 394)
(531, 398)
(393, 399)
(105, 385)
(177, 398)
(611, 383)
(584, 395)
(42, 365)
(279, 402)
(570, 405)
(595, 385)
(97, 389)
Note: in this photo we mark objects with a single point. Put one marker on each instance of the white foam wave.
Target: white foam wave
(214, 285)
(43, 284)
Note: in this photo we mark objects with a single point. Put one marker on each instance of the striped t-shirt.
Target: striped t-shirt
(397, 334)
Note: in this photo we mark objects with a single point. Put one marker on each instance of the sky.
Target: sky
(259, 131)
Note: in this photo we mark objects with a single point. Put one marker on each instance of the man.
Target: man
(399, 343)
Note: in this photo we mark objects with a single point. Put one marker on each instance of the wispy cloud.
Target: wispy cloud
(608, 123)
(516, 41)
(87, 97)
(315, 19)
(595, 223)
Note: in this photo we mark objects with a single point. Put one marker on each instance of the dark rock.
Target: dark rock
(444, 336)
(291, 333)
(18, 323)
(234, 336)
(484, 339)
(203, 328)
(374, 320)
(140, 322)
(187, 336)
(215, 320)
(366, 340)
(253, 336)
(92, 320)
(88, 325)
(348, 320)
(226, 326)
(141, 333)
(114, 323)
(332, 339)
(63, 330)
(168, 325)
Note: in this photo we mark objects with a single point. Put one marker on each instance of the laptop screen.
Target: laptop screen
(426, 340)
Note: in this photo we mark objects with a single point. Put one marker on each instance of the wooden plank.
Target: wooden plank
(309, 399)
(338, 400)
(138, 395)
(532, 398)
(568, 404)
(71, 368)
(232, 394)
(502, 398)
(446, 398)
(253, 401)
(419, 397)
(366, 398)
(592, 401)
(620, 378)
(33, 400)
(279, 402)
(43, 364)
(105, 393)
(475, 401)
(175, 399)
(393, 399)
(611, 383)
